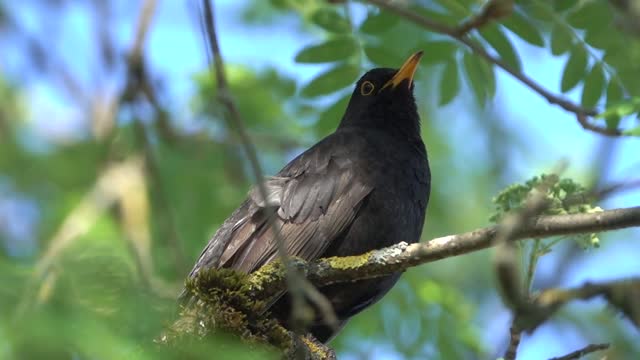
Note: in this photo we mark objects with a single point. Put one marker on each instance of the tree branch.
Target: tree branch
(462, 37)
(402, 256)
(247, 296)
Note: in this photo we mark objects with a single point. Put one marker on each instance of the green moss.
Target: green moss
(271, 273)
(224, 302)
(348, 262)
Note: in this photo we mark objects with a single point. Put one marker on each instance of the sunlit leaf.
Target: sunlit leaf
(335, 49)
(522, 27)
(449, 83)
(593, 86)
(330, 20)
(615, 112)
(334, 79)
(574, 70)
(633, 131)
(501, 43)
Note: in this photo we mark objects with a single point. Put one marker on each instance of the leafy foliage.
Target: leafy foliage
(562, 196)
(90, 268)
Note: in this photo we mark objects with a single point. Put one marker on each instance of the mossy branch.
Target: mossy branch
(402, 256)
(236, 303)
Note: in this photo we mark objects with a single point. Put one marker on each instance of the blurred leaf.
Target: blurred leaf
(332, 80)
(540, 10)
(330, 20)
(502, 45)
(574, 70)
(521, 26)
(438, 51)
(604, 39)
(591, 14)
(561, 39)
(480, 76)
(383, 56)
(455, 8)
(593, 86)
(449, 83)
(615, 112)
(378, 22)
(614, 92)
(564, 5)
(633, 132)
(334, 49)
(330, 117)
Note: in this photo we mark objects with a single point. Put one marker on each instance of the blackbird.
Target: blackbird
(364, 187)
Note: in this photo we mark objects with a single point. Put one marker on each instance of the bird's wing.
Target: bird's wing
(315, 199)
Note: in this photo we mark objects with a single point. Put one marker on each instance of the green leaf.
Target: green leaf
(449, 83)
(613, 113)
(564, 5)
(490, 77)
(561, 39)
(383, 56)
(593, 86)
(540, 11)
(439, 51)
(335, 49)
(332, 80)
(329, 119)
(633, 132)
(591, 15)
(521, 26)
(604, 39)
(574, 70)
(615, 92)
(612, 121)
(502, 45)
(330, 20)
(378, 22)
(481, 78)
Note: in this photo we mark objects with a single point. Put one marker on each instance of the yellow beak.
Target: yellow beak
(406, 71)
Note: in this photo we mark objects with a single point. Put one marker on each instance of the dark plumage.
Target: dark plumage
(364, 187)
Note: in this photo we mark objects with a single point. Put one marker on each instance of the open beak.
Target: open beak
(406, 71)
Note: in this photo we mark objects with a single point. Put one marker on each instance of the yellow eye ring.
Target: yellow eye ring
(367, 88)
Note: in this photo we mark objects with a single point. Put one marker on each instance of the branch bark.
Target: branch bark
(259, 287)
(400, 257)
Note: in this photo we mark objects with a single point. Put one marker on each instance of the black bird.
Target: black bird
(364, 187)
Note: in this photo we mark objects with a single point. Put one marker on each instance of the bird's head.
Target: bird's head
(383, 97)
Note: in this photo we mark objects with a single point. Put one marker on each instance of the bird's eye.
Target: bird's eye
(366, 88)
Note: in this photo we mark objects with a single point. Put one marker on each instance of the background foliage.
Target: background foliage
(114, 173)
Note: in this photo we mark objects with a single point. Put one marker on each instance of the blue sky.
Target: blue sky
(177, 51)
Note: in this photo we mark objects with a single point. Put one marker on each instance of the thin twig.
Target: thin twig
(581, 113)
(295, 284)
(582, 352)
(514, 341)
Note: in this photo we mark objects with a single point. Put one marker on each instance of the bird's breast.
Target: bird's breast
(395, 210)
